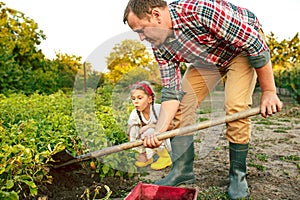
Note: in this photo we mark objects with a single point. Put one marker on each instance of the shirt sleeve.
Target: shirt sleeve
(133, 118)
(157, 110)
(133, 127)
(238, 26)
(170, 77)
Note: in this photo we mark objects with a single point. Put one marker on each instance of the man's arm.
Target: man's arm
(270, 103)
(168, 111)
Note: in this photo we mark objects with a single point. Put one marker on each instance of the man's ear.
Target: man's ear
(156, 13)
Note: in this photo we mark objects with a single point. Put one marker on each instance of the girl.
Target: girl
(145, 115)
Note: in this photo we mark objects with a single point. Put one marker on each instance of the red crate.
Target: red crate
(144, 191)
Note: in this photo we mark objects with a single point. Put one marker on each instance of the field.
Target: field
(273, 163)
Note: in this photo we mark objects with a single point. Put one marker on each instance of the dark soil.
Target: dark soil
(71, 183)
(273, 165)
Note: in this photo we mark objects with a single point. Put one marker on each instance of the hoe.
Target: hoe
(64, 158)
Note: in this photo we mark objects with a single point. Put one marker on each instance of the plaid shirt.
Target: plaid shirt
(209, 32)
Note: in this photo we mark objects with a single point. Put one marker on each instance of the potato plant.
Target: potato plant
(32, 128)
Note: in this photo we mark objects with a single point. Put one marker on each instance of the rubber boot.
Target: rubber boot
(238, 187)
(163, 161)
(183, 161)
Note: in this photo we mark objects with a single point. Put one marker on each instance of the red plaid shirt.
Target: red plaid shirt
(211, 32)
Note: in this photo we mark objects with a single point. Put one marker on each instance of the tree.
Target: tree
(126, 56)
(19, 37)
(286, 53)
(285, 56)
(23, 66)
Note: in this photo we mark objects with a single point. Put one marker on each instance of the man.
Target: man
(217, 38)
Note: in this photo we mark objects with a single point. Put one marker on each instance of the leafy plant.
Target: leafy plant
(258, 166)
(262, 157)
(35, 127)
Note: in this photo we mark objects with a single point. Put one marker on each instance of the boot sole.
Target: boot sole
(191, 181)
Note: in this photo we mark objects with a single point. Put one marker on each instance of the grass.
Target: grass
(280, 130)
(202, 119)
(262, 157)
(290, 158)
(257, 166)
(198, 141)
(212, 193)
(260, 128)
(284, 120)
(265, 122)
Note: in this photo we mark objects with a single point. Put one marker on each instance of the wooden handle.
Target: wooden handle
(210, 123)
(165, 135)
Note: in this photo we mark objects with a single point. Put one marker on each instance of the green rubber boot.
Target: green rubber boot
(238, 187)
(183, 161)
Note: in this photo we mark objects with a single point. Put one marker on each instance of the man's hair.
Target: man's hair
(142, 7)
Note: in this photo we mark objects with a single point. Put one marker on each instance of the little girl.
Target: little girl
(145, 114)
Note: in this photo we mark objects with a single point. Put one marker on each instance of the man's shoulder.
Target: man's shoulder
(185, 6)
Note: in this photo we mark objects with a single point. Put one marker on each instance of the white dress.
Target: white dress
(134, 125)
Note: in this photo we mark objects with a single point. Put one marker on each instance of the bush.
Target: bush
(32, 128)
(289, 78)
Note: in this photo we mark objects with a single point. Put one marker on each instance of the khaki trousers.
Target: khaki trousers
(239, 86)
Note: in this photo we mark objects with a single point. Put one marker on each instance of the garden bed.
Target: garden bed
(273, 165)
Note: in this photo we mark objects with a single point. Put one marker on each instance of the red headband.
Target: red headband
(146, 87)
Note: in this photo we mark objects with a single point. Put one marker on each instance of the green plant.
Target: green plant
(32, 128)
(212, 193)
(290, 158)
(258, 166)
(262, 157)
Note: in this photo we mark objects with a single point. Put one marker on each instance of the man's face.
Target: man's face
(148, 28)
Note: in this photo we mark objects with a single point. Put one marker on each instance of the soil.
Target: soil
(273, 170)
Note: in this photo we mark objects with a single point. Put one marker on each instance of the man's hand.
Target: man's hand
(148, 136)
(270, 104)
(151, 141)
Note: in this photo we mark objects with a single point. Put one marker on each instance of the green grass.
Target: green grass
(202, 119)
(212, 193)
(280, 130)
(260, 128)
(290, 158)
(205, 110)
(197, 140)
(258, 166)
(284, 119)
(266, 122)
(262, 157)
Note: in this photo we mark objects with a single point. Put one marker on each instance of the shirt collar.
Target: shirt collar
(176, 26)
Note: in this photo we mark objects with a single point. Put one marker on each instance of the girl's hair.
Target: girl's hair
(146, 87)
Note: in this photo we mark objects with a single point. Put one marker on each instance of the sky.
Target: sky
(81, 28)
